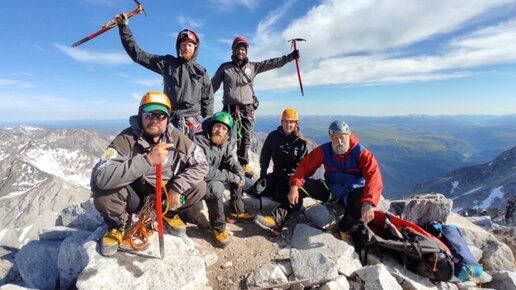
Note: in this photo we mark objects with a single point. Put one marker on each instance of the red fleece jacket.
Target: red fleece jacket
(366, 162)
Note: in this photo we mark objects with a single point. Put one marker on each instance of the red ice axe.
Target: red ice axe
(111, 24)
(293, 46)
(159, 212)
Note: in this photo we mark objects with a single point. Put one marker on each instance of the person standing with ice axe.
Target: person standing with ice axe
(239, 98)
(186, 82)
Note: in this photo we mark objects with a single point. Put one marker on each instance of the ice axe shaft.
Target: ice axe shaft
(159, 212)
(294, 47)
(111, 24)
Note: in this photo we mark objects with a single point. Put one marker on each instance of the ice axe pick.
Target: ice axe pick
(111, 24)
(294, 47)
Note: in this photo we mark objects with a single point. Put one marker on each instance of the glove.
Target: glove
(121, 19)
(295, 54)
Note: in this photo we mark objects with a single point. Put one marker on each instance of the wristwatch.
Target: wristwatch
(367, 205)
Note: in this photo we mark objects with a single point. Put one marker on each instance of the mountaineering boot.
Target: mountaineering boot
(176, 225)
(248, 171)
(110, 242)
(236, 217)
(222, 238)
(265, 222)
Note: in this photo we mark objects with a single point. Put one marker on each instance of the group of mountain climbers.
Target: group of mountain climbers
(177, 128)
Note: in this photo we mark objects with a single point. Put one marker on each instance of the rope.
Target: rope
(138, 236)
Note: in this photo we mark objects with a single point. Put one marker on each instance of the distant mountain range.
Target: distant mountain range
(488, 185)
(42, 171)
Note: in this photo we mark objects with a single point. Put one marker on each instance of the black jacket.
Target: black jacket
(286, 153)
(186, 83)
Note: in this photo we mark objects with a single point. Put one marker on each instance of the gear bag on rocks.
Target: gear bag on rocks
(417, 249)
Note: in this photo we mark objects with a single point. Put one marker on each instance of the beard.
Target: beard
(340, 149)
(153, 131)
(218, 140)
(187, 55)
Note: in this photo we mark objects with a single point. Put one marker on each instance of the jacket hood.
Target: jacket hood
(196, 52)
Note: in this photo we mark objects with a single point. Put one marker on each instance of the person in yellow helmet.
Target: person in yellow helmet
(286, 148)
(126, 173)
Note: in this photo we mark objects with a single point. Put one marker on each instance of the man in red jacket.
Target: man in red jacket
(352, 178)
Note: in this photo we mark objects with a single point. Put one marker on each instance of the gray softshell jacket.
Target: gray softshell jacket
(238, 81)
(126, 160)
(224, 166)
(186, 83)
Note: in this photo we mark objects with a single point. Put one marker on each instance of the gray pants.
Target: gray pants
(215, 203)
(118, 204)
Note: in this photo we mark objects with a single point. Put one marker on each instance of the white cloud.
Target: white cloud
(369, 42)
(190, 22)
(89, 56)
(14, 83)
(234, 4)
(157, 82)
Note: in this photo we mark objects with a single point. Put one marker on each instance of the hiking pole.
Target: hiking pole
(159, 213)
(293, 46)
(111, 24)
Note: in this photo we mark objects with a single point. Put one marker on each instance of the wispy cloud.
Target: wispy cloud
(15, 83)
(150, 82)
(89, 56)
(189, 22)
(235, 4)
(369, 42)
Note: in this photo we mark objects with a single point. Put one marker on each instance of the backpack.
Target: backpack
(466, 266)
(418, 250)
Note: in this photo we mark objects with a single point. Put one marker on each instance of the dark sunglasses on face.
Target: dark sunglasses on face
(152, 115)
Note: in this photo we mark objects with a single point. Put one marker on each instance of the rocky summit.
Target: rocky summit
(50, 232)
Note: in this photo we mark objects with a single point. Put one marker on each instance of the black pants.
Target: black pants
(316, 189)
(244, 129)
(118, 204)
(215, 202)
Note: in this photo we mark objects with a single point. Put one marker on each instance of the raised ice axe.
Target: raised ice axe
(111, 24)
(294, 47)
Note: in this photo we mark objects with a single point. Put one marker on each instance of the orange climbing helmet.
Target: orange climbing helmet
(155, 100)
(289, 114)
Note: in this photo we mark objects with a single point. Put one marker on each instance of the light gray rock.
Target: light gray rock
(267, 275)
(57, 233)
(340, 252)
(198, 213)
(37, 263)
(477, 253)
(13, 287)
(427, 208)
(502, 280)
(313, 265)
(181, 268)
(481, 221)
(81, 216)
(320, 216)
(446, 286)
(72, 259)
(406, 278)
(340, 283)
(377, 277)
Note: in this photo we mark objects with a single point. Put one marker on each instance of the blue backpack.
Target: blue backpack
(466, 266)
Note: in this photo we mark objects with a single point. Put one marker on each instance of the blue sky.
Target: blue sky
(367, 58)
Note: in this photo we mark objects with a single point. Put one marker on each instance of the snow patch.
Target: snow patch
(469, 192)
(24, 232)
(454, 184)
(495, 193)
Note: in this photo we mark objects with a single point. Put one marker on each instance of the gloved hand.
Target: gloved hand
(295, 53)
(121, 19)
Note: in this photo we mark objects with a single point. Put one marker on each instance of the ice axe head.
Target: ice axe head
(293, 41)
(140, 6)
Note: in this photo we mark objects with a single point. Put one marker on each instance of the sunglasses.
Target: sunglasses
(152, 115)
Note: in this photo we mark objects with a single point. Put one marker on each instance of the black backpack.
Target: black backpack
(418, 250)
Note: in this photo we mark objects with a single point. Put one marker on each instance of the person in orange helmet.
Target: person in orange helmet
(126, 174)
(286, 148)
